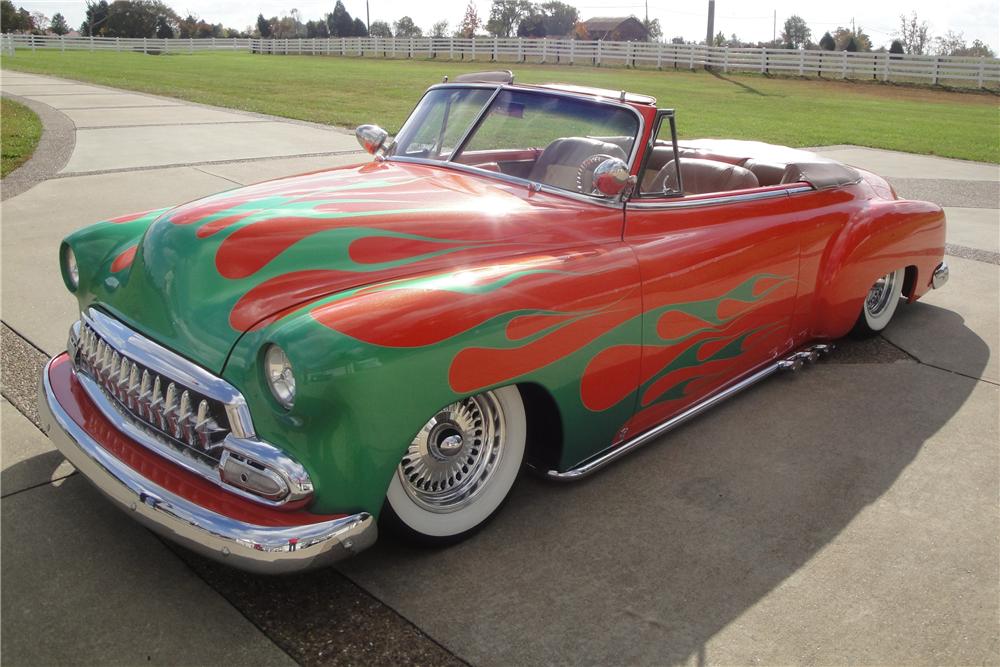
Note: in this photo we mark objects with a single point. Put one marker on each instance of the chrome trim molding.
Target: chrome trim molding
(940, 277)
(722, 199)
(791, 362)
(262, 549)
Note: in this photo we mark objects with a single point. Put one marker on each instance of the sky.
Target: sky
(751, 21)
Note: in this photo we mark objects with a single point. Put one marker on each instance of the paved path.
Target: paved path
(844, 514)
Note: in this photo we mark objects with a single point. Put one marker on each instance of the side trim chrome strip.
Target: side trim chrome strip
(793, 362)
(724, 199)
(263, 549)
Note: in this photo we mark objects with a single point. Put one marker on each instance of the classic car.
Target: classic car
(538, 277)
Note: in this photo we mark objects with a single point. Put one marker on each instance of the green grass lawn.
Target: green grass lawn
(351, 91)
(20, 130)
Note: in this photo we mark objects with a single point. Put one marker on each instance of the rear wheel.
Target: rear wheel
(459, 469)
(880, 304)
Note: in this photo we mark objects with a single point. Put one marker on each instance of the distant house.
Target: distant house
(616, 29)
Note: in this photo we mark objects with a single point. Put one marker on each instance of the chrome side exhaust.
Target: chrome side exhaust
(792, 362)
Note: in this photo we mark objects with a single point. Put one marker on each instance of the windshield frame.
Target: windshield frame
(536, 185)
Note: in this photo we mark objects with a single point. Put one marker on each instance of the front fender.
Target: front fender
(373, 364)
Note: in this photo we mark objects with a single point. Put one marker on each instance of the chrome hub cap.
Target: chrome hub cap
(454, 455)
(880, 294)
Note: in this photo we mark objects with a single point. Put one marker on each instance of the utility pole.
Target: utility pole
(711, 23)
(368, 18)
(647, 12)
(774, 30)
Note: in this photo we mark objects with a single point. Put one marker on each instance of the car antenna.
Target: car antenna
(623, 96)
(445, 79)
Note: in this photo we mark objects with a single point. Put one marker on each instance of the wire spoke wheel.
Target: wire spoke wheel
(455, 454)
(459, 467)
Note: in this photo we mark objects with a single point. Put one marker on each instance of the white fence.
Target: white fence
(951, 70)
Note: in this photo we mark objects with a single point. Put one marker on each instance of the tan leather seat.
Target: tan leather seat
(705, 176)
(560, 161)
(767, 173)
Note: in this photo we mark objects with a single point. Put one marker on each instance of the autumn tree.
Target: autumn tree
(796, 33)
(470, 22)
(914, 34)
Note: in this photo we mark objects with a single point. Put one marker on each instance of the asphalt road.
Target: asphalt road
(845, 514)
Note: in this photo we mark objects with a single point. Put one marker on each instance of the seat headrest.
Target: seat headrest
(705, 176)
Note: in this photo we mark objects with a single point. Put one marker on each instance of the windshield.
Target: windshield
(553, 139)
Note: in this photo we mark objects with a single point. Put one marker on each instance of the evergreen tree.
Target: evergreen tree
(263, 26)
(59, 25)
(827, 42)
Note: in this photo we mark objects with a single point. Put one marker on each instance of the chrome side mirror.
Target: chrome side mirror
(371, 137)
(611, 177)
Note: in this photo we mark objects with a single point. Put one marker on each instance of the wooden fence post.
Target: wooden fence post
(599, 43)
(979, 74)
(763, 60)
(937, 70)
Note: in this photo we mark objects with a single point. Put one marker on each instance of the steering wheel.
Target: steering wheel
(588, 166)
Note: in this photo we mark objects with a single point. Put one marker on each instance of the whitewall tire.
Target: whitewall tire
(459, 469)
(880, 304)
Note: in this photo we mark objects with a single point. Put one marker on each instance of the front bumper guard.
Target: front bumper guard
(261, 549)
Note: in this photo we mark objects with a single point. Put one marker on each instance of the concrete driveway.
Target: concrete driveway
(845, 514)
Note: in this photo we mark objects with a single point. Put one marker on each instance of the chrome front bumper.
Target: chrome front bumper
(262, 549)
(940, 276)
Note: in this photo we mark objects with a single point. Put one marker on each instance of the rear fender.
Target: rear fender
(879, 238)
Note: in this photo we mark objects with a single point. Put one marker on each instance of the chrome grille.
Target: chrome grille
(177, 412)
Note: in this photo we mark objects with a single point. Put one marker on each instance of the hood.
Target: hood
(206, 272)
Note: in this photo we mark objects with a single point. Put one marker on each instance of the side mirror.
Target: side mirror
(371, 137)
(611, 177)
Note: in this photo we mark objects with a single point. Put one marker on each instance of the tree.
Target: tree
(842, 36)
(852, 45)
(796, 33)
(913, 34)
(380, 29)
(95, 18)
(653, 30)
(470, 22)
(559, 18)
(40, 23)
(163, 28)
(532, 25)
(340, 23)
(896, 47)
(360, 29)
(263, 26)
(439, 29)
(677, 40)
(59, 25)
(506, 15)
(135, 18)
(979, 49)
(719, 39)
(405, 27)
(827, 42)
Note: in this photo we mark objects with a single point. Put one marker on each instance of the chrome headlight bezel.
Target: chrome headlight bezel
(279, 375)
(70, 268)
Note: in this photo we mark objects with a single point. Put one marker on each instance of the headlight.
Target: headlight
(278, 371)
(70, 268)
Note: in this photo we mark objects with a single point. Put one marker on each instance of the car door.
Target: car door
(719, 282)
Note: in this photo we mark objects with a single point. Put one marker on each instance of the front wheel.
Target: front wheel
(880, 304)
(459, 468)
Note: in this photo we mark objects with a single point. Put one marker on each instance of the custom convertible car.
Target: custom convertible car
(525, 276)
